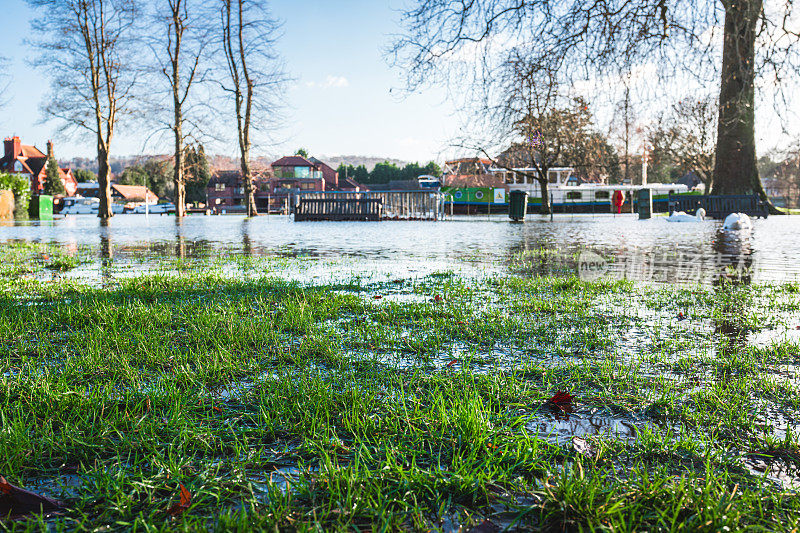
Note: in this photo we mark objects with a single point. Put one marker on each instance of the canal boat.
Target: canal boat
(568, 194)
(488, 190)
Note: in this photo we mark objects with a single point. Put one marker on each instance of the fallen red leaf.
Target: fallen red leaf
(452, 363)
(16, 502)
(377, 297)
(438, 298)
(180, 507)
(217, 409)
(681, 317)
(561, 397)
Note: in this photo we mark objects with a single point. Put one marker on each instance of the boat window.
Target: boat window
(552, 176)
(479, 195)
(458, 195)
(574, 195)
(601, 195)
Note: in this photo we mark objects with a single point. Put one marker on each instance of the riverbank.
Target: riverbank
(414, 404)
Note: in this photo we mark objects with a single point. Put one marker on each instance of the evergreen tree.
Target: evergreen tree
(198, 173)
(83, 176)
(52, 180)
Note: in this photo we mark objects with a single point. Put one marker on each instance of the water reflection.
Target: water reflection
(651, 250)
(735, 269)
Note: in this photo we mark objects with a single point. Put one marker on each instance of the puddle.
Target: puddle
(777, 471)
(281, 478)
(561, 428)
(63, 487)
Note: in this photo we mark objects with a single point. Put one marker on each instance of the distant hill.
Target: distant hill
(223, 162)
(356, 160)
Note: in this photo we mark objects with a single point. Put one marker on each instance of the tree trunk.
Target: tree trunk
(104, 184)
(177, 103)
(177, 178)
(247, 180)
(735, 170)
(546, 207)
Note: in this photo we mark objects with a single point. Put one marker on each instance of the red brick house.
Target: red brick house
(28, 160)
(290, 175)
(225, 191)
(119, 193)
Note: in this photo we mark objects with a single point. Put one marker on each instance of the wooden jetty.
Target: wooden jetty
(719, 206)
(370, 205)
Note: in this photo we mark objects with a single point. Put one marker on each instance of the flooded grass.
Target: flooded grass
(414, 403)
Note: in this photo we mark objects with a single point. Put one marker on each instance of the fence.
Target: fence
(719, 206)
(394, 205)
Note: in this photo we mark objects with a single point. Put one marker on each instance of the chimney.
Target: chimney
(12, 146)
(49, 149)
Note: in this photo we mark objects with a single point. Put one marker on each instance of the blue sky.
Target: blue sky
(340, 102)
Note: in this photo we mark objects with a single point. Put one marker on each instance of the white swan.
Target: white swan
(680, 216)
(737, 221)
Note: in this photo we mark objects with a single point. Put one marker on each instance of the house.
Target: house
(225, 191)
(119, 193)
(276, 192)
(471, 172)
(296, 173)
(28, 160)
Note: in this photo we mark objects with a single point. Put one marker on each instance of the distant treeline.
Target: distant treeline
(386, 172)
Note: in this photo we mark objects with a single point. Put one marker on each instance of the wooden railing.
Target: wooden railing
(338, 209)
(394, 205)
(719, 206)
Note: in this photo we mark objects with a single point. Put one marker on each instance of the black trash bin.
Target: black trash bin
(518, 205)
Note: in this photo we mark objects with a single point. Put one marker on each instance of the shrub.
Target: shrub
(21, 187)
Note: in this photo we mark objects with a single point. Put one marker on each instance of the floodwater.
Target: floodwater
(591, 245)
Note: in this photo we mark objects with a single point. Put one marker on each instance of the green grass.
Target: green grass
(319, 407)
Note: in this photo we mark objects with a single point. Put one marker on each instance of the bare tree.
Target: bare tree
(178, 53)
(253, 76)
(85, 47)
(539, 128)
(583, 38)
(687, 135)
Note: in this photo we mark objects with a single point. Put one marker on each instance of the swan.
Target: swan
(737, 221)
(680, 216)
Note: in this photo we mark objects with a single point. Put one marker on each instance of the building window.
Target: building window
(219, 187)
(601, 195)
(573, 195)
(306, 186)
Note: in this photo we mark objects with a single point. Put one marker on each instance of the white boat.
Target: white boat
(154, 209)
(565, 190)
(76, 205)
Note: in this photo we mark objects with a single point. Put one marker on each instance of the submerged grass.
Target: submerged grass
(405, 404)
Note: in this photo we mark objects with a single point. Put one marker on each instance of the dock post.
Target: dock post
(645, 203)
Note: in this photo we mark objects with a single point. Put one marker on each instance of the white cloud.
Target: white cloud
(335, 81)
